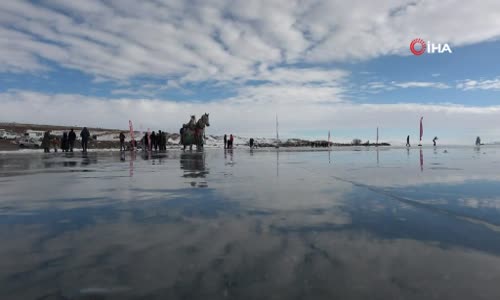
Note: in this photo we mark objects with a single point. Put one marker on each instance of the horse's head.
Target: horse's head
(205, 119)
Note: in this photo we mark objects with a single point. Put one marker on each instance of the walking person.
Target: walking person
(71, 139)
(408, 141)
(46, 142)
(225, 141)
(251, 143)
(122, 141)
(85, 135)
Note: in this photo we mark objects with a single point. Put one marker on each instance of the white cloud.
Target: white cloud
(225, 40)
(236, 115)
(379, 86)
(278, 43)
(421, 84)
(484, 84)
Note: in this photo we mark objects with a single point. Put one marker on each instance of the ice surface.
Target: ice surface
(354, 223)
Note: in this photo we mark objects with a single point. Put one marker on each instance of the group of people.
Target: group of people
(228, 143)
(408, 141)
(67, 142)
(155, 141)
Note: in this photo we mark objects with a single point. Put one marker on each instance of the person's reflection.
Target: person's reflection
(70, 163)
(193, 165)
(478, 150)
(231, 158)
(421, 160)
(122, 156)
(88, 158)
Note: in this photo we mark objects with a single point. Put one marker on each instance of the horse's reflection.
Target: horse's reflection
(193, 164)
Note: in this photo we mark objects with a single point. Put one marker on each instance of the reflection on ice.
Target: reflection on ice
(240, 224)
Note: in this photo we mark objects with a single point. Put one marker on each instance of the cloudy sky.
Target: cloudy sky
(320, 65)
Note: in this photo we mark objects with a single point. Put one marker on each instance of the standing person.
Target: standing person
(146, 142)
(225, 141)
(55, 142)
(478, 141)
(46, 142)
(71, 139)
(231, 139)
(159, 140)
(163, 140)
(408, 141)
(434, 140)
(122, 141)
(154, 141)
(251, 143)
(85, 135)
(64, 142)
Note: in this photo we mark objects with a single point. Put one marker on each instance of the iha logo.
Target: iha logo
(419, 47)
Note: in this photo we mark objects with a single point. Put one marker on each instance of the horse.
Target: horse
(195, 136)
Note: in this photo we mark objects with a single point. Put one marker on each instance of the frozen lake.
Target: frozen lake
(345, 224)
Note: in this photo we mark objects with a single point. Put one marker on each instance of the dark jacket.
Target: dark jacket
(85, 134)
(46, 140)
(64, 141)
(71, 136)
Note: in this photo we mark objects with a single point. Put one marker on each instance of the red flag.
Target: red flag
(421, 128)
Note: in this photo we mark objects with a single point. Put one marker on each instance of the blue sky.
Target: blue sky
(319, 65)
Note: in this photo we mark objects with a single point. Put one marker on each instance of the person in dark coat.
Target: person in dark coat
(251, 143)
(408, 141)
(161, 140)
(122, 141)
(64, 142)
(85, 135)
(225, 141)
(46, 142)
(231, 139)
(71, 139)
(154, 141)
(145, 141)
